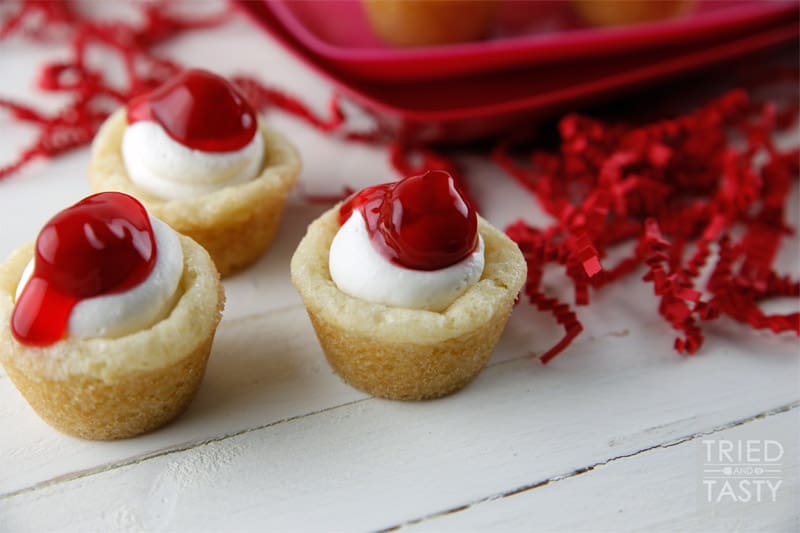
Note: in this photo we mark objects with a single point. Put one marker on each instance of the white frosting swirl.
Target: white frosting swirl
(118, 314)
(167, 169)
(361, 271)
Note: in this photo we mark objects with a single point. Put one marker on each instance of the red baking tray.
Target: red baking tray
(527, 32)
(469, 108)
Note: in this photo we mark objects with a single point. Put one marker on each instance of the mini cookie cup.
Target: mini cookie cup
(399, 353)
(430, 22)
(235, 224)
(115, 388)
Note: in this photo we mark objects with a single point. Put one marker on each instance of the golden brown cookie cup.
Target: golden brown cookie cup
(430, 22)
(235, 224)
(399, 353)
(114, 388)
(624, 12)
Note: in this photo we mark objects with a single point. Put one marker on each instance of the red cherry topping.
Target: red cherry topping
(422, 222)
(104, 244)
(200, 110)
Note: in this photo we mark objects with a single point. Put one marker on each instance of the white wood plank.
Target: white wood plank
(268, 368)
(262, 370)
(375, 463)
(259, 373)
(657, 490)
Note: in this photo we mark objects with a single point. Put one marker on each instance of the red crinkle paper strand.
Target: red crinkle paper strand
(680, 189)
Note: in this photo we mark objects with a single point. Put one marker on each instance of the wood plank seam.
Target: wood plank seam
(80, 474)
(186, 446)
(71, 476)
(586, 469)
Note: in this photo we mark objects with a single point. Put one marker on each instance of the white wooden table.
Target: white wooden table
(608, 437)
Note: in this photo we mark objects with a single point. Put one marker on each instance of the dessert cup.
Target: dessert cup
(236, 224)
(114, 388)
(400, 353)
(624, 12)
(430, 22)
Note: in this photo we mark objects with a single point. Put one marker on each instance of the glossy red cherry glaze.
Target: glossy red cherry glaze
(422, 222)
(104, 244)
(200, 110)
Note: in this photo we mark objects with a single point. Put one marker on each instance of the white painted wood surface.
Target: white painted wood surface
(605, 438)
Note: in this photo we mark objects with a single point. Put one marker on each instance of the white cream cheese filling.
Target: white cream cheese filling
(169, 170)
(361, 271)
(118, 314)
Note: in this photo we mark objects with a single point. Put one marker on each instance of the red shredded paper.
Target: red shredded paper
(686, 190)
(678, 188)
(93, 96)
